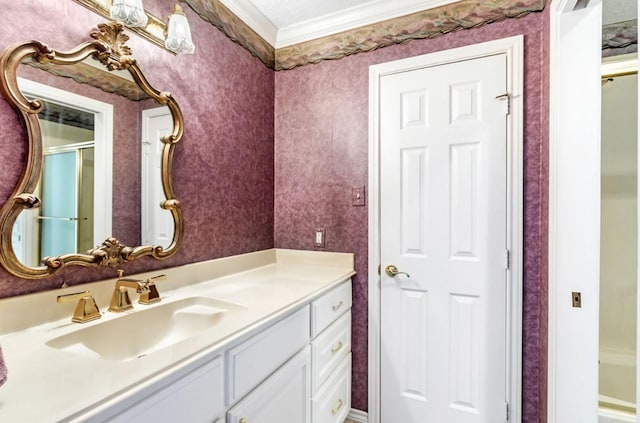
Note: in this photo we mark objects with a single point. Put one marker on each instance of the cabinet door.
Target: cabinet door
(332, 402)
(252, 361)
(329, 307)
(195, 398)
(283, 398)
(329, 349)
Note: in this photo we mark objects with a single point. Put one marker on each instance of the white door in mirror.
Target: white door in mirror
(157, 223)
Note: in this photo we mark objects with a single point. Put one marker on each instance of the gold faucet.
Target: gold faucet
(86, 309)
(120, 300)
(151, 295)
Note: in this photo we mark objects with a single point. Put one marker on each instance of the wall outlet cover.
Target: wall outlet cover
(576, 299)
(358, 196)
(318, 239)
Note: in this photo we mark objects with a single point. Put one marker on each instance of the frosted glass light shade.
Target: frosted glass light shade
(129, 12)
(178, 33)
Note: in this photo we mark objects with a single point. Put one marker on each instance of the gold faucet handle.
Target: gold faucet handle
(86, 310)
(155, 279)
(151, 295)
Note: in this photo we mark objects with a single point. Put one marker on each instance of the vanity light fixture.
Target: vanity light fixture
(129, 12)
(178, 38)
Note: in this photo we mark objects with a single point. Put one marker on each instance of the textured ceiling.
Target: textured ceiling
(619, 11)
(287, 13)
(284, 13)
(279, 15)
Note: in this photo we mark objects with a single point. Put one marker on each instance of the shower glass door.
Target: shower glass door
(58, 218)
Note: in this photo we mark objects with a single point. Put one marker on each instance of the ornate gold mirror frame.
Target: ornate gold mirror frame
(109, 48)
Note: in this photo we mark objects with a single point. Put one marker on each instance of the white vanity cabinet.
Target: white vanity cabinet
(253, 360)
(296, 370)
(314, 385)
(331, 355)
(197, 397)
(283, 398)
(255, 338)
(332, 402)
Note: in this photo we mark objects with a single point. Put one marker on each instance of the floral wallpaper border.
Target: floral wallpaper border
(426, 24)
(430, 23)
(217, 14)
(620, 38)
(102, 79)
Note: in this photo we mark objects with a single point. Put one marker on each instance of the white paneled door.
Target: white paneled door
(443, 222)
(157, 223)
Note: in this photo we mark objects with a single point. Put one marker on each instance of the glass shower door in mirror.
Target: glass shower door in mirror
(75, 184)
(66, 218)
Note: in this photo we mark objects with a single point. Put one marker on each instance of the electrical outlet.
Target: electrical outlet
(576, 299)
(358, 196)
(319, 238)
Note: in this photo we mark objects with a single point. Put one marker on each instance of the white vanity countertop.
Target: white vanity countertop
(50, 385)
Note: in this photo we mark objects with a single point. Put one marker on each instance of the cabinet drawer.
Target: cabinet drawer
(252, 361)
(283, 398)
(196, 397)
(333, 401)
(330, 306)
(329, 349)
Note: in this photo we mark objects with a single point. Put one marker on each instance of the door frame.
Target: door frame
(574, 209)
(103, 148)
(513, 47)
(149, 212)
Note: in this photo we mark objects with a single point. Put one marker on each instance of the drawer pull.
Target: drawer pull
(337, 348)
(336, 306)
(337, 408)
(243, 420)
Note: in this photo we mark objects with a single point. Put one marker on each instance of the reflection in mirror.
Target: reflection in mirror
(75, 189)
(157, 224)
(100, 145)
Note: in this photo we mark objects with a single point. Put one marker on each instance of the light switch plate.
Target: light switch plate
(318, 239)
(358, 196)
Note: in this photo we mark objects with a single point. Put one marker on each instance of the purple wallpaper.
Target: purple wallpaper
(224, 164)
(321, 142)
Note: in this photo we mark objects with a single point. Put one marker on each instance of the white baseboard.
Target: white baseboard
(358, 416)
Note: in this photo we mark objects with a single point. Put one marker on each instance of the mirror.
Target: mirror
(99, 161)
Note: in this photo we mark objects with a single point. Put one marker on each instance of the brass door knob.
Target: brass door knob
(393, 271)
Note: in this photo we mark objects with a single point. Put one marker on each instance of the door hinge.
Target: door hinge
(507, 259)
(506, 406)
(379, 269)
(506, 96)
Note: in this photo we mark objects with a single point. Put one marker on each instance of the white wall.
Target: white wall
(618, 242)
(574, 210)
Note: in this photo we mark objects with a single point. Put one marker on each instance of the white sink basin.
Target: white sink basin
(146, 331)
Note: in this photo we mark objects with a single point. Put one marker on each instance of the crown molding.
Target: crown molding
(252, 16)
(464, 14)
(441, 17)
(220, 16)
(322, 26)
(348, 19)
